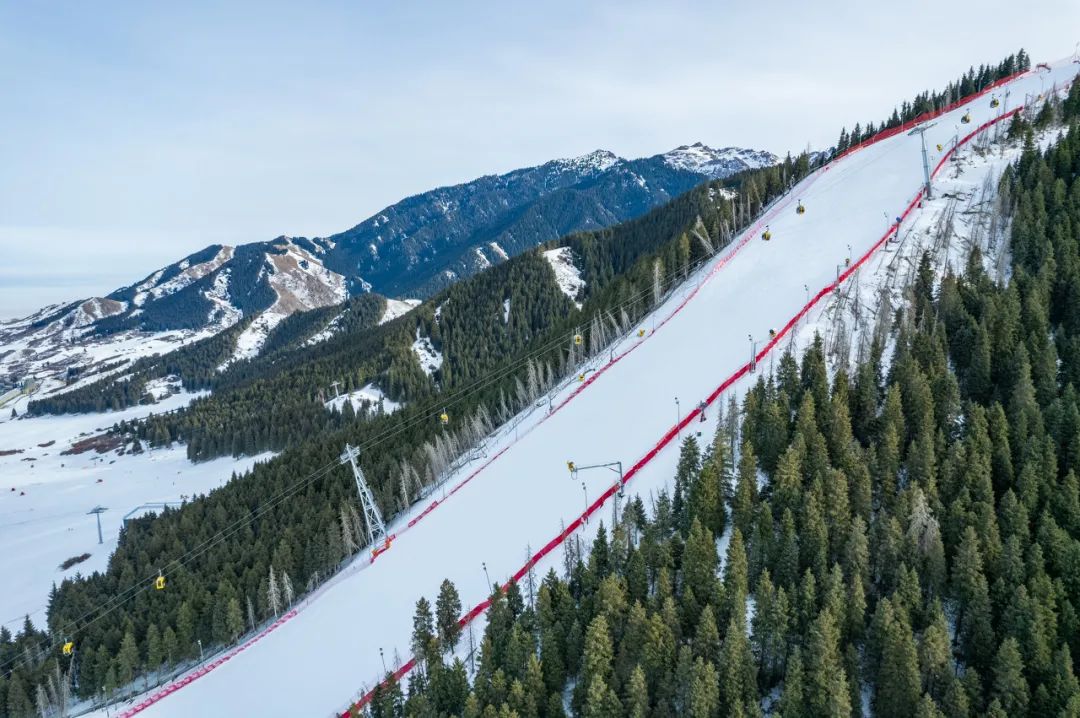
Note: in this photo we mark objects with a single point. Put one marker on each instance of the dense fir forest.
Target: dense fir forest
(903, 540)
(194, 365)
(971, 82)
(276, 400)
(301, 522)
(1011, 531)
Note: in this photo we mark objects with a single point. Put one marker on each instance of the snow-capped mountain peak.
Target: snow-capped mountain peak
(593, 162)
(717, 164)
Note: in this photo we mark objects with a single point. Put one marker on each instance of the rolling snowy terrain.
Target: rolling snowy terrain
(51, 480)
(514, 497)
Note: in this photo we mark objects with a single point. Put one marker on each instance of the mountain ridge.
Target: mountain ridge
(412, 248)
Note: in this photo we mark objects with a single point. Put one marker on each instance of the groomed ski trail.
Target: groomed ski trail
(341, 638)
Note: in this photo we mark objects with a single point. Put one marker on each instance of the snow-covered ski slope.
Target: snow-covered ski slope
(520, 497)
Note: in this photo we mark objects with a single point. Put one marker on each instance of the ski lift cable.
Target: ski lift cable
(88, 618)
(177, 563)
(835, 178)
(459, 396)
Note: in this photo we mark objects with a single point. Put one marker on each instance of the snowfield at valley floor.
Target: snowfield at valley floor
(316, 662)
(45, 496)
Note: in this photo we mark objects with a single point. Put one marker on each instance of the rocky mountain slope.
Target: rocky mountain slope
(413, 248)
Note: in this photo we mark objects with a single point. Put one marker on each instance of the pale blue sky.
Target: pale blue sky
(131, 135)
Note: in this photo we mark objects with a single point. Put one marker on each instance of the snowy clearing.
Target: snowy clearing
(499, 251)
(45, 496)
(370, 394)
(332, 327)
(430, 358)
(567, 275)
(396, 308)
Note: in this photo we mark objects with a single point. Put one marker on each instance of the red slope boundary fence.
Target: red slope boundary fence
(204, 669)
(929, 115)
(201, 671)
(674, 431)
(748, 236)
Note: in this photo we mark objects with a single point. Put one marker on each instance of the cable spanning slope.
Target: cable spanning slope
(632, 409)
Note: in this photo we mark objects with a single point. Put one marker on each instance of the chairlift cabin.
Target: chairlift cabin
(444, 418)
(159, 582)
(766, 235)
(578, 340)
(966, 119)
(995, 102)
(69, 648)
(800, 209)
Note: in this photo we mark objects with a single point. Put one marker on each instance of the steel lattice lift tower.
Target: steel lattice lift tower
(376, 529)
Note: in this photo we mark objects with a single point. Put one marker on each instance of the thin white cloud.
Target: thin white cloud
(168, 128)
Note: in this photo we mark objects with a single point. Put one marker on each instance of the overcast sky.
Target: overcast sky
(132, 135)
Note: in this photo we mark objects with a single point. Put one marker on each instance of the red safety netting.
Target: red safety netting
(748, 236)
(929, 115)
(674, 431)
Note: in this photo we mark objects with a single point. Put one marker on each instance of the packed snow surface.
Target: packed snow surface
(567, 275)
(518, 501)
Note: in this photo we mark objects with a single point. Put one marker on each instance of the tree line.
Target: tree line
(969, 83)
(902, 541)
